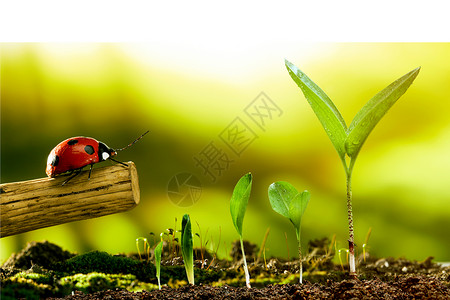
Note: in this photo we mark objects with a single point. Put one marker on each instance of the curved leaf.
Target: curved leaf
(323, 107)
(371, 113)
(187, 247)
(297, 208)
(239, 201)
(281, 194)
(158, 252)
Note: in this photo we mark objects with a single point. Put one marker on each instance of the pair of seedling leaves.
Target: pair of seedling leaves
(348, 141)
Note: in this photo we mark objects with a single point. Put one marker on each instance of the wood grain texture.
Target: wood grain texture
(39, 203)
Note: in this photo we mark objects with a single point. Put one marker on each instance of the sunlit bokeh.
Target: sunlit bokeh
(189, 96)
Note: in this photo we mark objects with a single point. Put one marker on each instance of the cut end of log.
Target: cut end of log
(39, 203)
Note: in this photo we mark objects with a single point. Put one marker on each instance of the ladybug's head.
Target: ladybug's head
(104, 152)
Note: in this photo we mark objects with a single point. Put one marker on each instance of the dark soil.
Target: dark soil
(414, 287)
(44, 270)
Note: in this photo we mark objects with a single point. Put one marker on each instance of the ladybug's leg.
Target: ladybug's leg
(118, 162)
(90, 171)
(78, 171)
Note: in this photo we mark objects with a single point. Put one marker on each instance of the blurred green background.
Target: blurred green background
(187, 95)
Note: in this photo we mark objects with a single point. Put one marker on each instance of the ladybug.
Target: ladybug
(75, 153)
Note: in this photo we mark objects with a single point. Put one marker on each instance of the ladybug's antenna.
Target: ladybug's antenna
(133, 142)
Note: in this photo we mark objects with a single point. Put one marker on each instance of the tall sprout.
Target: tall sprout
(348, 141)
(238, 206)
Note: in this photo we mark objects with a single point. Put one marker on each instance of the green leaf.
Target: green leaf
(239, 201)
(187, 246)
(288, 202)
(323, 107)
(297, 208)
(158, 252)
(366, 119)
(281, 194)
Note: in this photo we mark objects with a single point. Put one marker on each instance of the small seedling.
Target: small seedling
(217, 248)
(187, 247)
(339, 255)
(287, 245)
(202, 247)
(364, 246)
(158, 252)
(238, 206)
(263, 245)
(172, 240)
(262, 249)
(146, 247)
(288, 202)
(333, 242)
(348, 141)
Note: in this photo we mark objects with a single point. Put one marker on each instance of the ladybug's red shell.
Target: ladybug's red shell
(75, 153)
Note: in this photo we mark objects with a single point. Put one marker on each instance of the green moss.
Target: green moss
(103, 262)
(18, 287)
(36, 277)
(93, 282)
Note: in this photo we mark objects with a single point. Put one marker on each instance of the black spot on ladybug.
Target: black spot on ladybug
(72, 142)
(55, 160)
(89, 149)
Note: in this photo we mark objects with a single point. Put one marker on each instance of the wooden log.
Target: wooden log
(39, 203)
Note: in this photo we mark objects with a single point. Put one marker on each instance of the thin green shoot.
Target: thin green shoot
(238, 206)
(146, 247)
(187, 248)
(217, 248)
(171, 241)
(202, 247)
(264, 255)
(333, 242)
(287, 245)
(340, 259)
(288, 202)
(263, 245)
(348, 141)
(158, 252)
(364, 246)
(173, 250)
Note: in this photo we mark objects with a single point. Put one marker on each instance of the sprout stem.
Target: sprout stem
(351, 243)
(247, 275)
(301, 261)
(287, 245)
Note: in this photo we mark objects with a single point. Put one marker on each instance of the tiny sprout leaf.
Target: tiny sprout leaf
(372, 112)
(297, 208)
(288, 202)
(325, 110)
(239, 201)
(281, 194)
(158, 252)
(187, 246)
